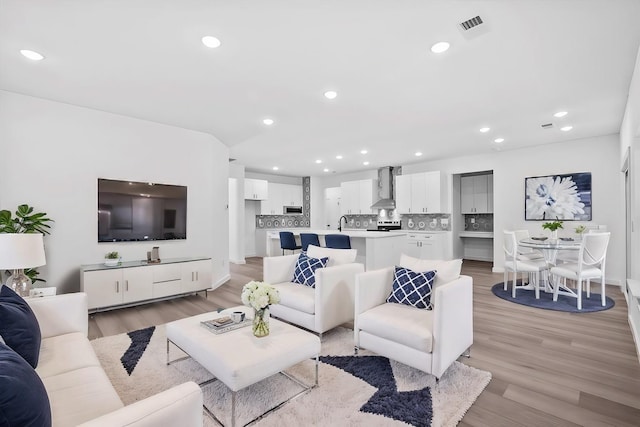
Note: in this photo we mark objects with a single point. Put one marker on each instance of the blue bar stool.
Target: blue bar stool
(288, 241)
(307, 239)
(337, 241)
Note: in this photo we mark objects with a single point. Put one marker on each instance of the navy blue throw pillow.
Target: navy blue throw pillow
(23, 398)
(18, 326)
(304, 272)
(412, 288)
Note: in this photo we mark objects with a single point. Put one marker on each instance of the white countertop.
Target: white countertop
(420, 231)
(273, 234)
(476, 234)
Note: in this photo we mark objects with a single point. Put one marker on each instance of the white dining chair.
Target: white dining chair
(526, 254)
(512, 263)
(590, 265)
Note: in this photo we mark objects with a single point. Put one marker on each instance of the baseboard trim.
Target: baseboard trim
(220, 282)
(238, 261)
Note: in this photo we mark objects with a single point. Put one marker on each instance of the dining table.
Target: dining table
(549, 249)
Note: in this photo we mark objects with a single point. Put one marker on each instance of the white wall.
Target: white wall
(630, 137)
(236, 213)
(599, 155)
(53, 154)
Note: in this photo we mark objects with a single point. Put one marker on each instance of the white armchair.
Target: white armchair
(318, 309)
(428, 340)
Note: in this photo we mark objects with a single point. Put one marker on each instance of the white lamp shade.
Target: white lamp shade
(20, 251)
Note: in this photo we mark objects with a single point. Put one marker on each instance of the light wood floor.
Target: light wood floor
(549, 368)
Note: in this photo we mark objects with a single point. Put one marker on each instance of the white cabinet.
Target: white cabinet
(281, 195)
(420, 193)
(256, 189)
(117, 286)
(476, 194)
(112, 287)
(196, 276)
(426, 246)
(357, 197)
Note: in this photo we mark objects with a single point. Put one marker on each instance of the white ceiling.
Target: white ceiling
(144, 59)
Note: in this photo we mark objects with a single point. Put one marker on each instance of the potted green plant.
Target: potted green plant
(580, 230)
(25, 221)
(553, 226)
(112, 259)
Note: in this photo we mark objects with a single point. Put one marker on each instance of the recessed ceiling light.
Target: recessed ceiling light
(566, 128)
(318, 161)
(418, 153)
(560, 114)
(268, 122)
(210, 41)
(485, 129)
(363, 152)
(326, 169)
(365, 163)
(330, 94)
(275, 168)
(34, 56)
(440, 47)
(498, 140)
(339, 157)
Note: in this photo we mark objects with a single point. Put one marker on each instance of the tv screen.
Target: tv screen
(131, 211)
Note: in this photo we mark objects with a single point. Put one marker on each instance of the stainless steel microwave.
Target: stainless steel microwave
(292, 210)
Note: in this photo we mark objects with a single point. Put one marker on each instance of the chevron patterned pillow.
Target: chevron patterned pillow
(412, 288)
(304, 272)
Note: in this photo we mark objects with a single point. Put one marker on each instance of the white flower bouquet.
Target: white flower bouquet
(259, 295)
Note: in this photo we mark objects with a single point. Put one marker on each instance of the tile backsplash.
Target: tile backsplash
(290, 221)
(478, 222)
(427, 222)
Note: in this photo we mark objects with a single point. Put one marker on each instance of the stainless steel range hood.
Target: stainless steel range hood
(385, 189)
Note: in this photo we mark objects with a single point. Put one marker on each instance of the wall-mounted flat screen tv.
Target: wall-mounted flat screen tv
(130, 211)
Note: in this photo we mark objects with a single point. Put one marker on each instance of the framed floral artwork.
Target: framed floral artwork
(563, 197)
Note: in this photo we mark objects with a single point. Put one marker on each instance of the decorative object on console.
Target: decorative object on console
(17, 252)
(112, 259)
(304, 272)
(155, 254)
(564, 197)
(580, 229)
(259, 296)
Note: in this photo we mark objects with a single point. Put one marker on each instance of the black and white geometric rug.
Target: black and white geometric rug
(363, 390)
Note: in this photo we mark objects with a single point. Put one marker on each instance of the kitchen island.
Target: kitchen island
(376, 249)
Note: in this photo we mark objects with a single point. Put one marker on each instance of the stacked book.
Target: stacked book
(224, 324)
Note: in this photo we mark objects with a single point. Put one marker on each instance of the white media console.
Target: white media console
(138, 282)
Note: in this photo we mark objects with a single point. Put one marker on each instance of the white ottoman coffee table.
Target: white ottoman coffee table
(239, 359)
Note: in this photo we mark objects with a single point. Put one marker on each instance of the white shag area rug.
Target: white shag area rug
(337, 401)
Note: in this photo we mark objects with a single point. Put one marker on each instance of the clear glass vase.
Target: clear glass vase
(261, 322)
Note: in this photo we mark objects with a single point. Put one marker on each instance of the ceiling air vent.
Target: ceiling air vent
(547, 126)
(470, 23)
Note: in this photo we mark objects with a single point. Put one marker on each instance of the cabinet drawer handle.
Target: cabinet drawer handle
(126, 285)
(117, 286)
(197, 276)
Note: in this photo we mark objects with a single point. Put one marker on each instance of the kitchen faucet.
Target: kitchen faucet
(340, 222)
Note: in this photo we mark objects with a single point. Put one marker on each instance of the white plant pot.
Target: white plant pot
(111, 262)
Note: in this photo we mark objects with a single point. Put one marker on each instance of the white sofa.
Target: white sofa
(80, 392)
(428, 340)
(324, 307)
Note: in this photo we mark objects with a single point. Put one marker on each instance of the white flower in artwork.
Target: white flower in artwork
(549, 198)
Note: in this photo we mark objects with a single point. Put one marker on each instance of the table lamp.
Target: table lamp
(17, 252)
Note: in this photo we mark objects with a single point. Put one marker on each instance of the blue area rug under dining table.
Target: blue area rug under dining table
(565, 303)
